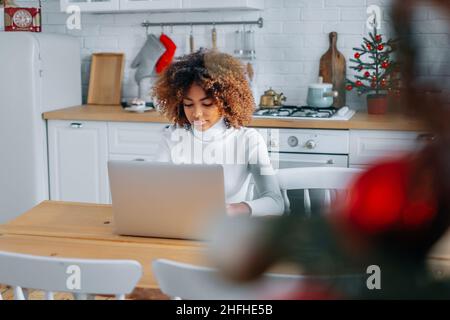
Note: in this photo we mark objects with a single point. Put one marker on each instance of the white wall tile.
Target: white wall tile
(309, 14)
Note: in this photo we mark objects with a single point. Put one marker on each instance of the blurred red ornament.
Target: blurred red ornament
(373, 84)
(378, 38)
(367, 74)
(311, 291)
(383, 82)
(358, 83)
(360, 68)
(369, 47)
(385, 64)
(349, 87)
(357, 55)
(380, 47)
(384, 199)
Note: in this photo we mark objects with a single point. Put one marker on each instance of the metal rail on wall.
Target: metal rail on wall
(146, 24)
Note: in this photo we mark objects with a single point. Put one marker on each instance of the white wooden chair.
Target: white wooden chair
(329, 179)
(48, 274)
(185, 281)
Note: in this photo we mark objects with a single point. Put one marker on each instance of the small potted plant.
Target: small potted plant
(376, 74)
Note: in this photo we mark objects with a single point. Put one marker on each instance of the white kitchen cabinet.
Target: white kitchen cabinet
(221, 4)
(91, 5)
(153, 5)
(369, 146)
(113, 6)
(78, 154)
(140, 140)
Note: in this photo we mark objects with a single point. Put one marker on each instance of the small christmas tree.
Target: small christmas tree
(378, 72)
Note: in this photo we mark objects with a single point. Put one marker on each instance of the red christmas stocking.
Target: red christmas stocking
(167, 56)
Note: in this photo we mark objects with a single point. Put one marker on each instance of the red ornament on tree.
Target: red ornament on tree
(357, 55)
(380, 47)
(358, 83)
(349, 87)
(367, 74)
(369, 47)
(378, 38)
(383, 82)
(385, 64)
(383, 199)
(373, 84)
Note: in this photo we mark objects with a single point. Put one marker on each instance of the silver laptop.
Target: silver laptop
(165, 200)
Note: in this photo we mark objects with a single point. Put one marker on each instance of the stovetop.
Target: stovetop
(305, 112)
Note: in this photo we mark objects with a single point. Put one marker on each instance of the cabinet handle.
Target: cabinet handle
(139, 159)
(76, 125)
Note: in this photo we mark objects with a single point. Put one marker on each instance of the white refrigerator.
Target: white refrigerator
(38, 73)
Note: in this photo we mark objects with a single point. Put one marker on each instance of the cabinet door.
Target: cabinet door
(150, 4)
(140, 139)
(368, 146)
(220, 4)
(91, 5)
(78, 154)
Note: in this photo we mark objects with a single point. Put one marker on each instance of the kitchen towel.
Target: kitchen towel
(147, 57)
(167, 57)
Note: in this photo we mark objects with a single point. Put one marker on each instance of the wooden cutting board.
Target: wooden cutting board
(333, 70)
(105, 82)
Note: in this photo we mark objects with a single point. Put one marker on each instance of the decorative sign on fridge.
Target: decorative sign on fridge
(23, 19)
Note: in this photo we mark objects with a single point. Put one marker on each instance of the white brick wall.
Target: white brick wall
(289, 46)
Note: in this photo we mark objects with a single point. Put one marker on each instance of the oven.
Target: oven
(293, 148)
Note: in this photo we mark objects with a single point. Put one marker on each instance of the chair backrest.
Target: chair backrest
(185, 281)
(309, 178)
(81, 277)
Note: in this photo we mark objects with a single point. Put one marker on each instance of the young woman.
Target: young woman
(208, 98)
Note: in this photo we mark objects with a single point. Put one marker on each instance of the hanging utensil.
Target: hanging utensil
(191, 40)
(250, 71)
(238, 43)
(214, 37)
(250, 51)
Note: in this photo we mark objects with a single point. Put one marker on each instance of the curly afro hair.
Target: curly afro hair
(221, 76)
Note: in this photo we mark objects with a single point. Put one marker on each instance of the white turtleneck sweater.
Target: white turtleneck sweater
(242, 153)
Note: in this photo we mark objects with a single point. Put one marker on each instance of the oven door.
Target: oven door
(295, 160)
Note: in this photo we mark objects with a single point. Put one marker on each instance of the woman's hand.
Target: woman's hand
(238, 209)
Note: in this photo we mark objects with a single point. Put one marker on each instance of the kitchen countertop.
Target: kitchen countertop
(360, 120)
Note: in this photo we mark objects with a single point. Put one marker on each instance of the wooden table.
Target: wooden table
(77, 230)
